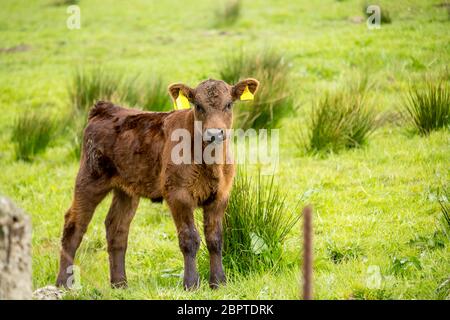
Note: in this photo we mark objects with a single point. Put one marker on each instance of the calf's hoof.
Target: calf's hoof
(217, 280)
(63, 282)
(191, 282)
(119, 284)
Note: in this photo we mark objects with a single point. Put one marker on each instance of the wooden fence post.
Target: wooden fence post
(307, 254)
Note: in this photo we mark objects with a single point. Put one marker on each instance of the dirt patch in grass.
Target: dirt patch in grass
(18, 48)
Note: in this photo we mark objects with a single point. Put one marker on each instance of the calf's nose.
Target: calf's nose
(215, 135)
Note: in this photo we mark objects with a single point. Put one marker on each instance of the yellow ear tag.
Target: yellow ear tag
(247, 95)
(181, 102)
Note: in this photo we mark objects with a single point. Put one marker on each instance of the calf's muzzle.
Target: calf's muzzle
(215, 135)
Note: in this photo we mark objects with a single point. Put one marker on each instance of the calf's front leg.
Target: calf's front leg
(182, 207)
(213, 215)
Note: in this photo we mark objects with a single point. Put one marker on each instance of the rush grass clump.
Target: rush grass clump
(146, 93)
(227, 13)
(257, 221)
(428, 108)
(65, 2)
(273, 100)
(340, 120)
(91, 85)
(32, 133)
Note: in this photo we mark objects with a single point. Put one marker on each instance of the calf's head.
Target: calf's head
(213, 104)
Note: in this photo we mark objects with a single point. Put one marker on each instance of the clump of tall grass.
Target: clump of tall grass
(32, 132)
(428, 109)
(445, 210)
(385, 16)
(87, 86)
(75, 130)
(257, 221)
(146, 93)
(273, 100)
(339, 254)
(91, 85)
(227, 13)
(65, 2)
(341, 120)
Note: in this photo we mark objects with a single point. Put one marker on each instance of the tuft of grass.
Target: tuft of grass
(402, 266)
(65, 2)
(149, 94)
(428, 109)
(340, 120)
(443, 290)
(273, 100)
(362, 293)
(339, 254)
(227, 13)
(256, 224)
(441, 236)
(32, 132)
(76, 131)
(385, 16)
(445, 210)
(91, 85)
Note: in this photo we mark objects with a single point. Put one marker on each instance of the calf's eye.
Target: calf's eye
(228, 106)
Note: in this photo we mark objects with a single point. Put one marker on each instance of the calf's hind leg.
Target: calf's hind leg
(117, 223)
(87, 195)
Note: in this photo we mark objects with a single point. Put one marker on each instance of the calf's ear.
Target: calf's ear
(181, 95)
(175, 88)
(245, 89)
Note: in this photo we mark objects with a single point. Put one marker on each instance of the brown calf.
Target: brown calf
(129, 152)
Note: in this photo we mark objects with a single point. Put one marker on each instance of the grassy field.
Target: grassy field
(376, 207)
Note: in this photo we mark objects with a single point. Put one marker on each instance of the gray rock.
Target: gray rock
(48, 293)
(15, 252)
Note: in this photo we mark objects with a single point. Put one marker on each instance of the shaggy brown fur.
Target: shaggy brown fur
(129, 152)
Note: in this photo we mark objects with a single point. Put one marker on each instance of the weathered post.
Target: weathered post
(15, 252)
(307, 254)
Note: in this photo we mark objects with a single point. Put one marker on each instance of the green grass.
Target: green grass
(340, 120)
(31, 134)
(65, 2)
(90, 85)
(445, 219)
(227, 13)
(146, 93)
(126, 87)
(374, 200)
(256, 224)
(428, 108)
(273, 101)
